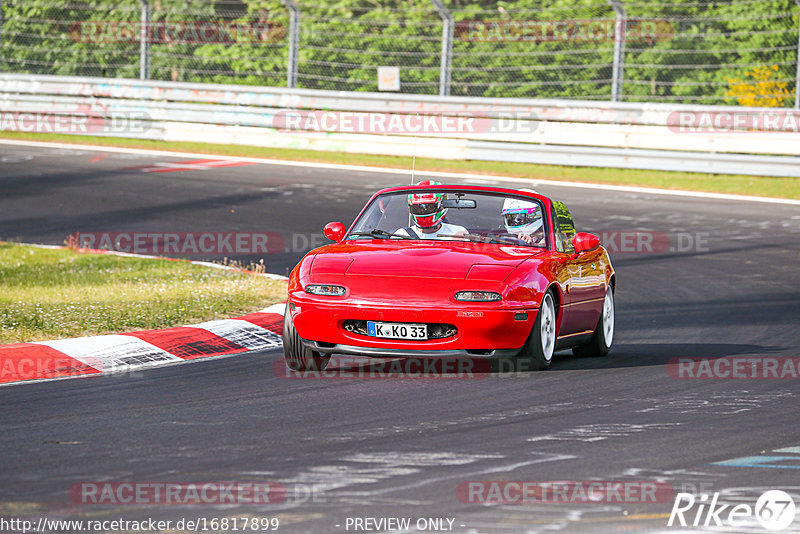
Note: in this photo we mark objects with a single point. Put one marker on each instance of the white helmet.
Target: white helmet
(521, 216)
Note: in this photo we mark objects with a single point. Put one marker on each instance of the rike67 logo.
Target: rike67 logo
(774, 510)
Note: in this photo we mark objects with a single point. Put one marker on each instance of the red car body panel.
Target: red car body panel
(411, 281)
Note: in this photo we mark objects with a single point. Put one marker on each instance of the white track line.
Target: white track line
(407, 172)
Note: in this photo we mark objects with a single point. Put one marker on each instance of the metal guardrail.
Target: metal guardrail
(717, 139)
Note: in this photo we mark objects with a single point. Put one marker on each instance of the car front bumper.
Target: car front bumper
(483, 331)
(379, 352)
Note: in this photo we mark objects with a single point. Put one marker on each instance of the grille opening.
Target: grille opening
(435, 330)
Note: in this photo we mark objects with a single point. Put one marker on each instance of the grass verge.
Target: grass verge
(55, 293)
(764, 186)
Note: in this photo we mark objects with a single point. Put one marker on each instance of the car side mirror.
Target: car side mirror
(583, 242)
(334, 231)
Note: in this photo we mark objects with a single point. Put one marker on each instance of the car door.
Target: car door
(566, 266)
(585, 274)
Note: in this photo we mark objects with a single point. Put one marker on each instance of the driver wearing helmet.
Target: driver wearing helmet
(523, 219)
(427, 211)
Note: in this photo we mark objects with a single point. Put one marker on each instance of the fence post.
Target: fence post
(797, 77)
(620, 31)
(294, 41)
(1, 32)
(447, 46)
(144, 42)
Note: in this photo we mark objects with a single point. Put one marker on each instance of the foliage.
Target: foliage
(675, 51)
(761, 90)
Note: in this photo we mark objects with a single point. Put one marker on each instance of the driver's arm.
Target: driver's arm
(532, 239)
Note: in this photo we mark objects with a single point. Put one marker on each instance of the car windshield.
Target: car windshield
(453, 216)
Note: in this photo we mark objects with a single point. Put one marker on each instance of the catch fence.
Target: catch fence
(739, 52)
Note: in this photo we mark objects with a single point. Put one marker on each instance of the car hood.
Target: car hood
(439, 259)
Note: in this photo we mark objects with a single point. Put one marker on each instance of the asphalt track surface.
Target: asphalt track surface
(394, 447)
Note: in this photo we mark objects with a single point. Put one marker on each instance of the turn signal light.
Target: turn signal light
(325, 289)
(478, 296)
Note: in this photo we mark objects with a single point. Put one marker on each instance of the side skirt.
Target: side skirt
(573, 340)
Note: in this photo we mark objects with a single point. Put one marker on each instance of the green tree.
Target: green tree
(676, 51)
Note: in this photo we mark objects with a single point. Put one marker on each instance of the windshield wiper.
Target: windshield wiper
(381, 234)
(500, 240)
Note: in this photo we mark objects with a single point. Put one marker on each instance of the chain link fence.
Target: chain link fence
(197, 41)
(342, 48)
(728, 52)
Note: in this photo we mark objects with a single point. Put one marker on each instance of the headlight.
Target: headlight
(478, 296)
(325, 289)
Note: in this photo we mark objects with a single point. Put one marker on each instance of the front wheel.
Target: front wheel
(603, 336)
(296, 355)
(538, 350)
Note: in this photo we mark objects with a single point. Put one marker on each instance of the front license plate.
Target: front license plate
(397, 331)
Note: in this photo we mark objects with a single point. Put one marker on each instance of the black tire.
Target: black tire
(603, 336)
(296, 355)
(537, 354)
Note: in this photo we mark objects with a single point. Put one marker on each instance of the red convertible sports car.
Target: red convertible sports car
(446, 271)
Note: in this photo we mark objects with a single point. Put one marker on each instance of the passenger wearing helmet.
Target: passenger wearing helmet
(427, 213)
(523, 219)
